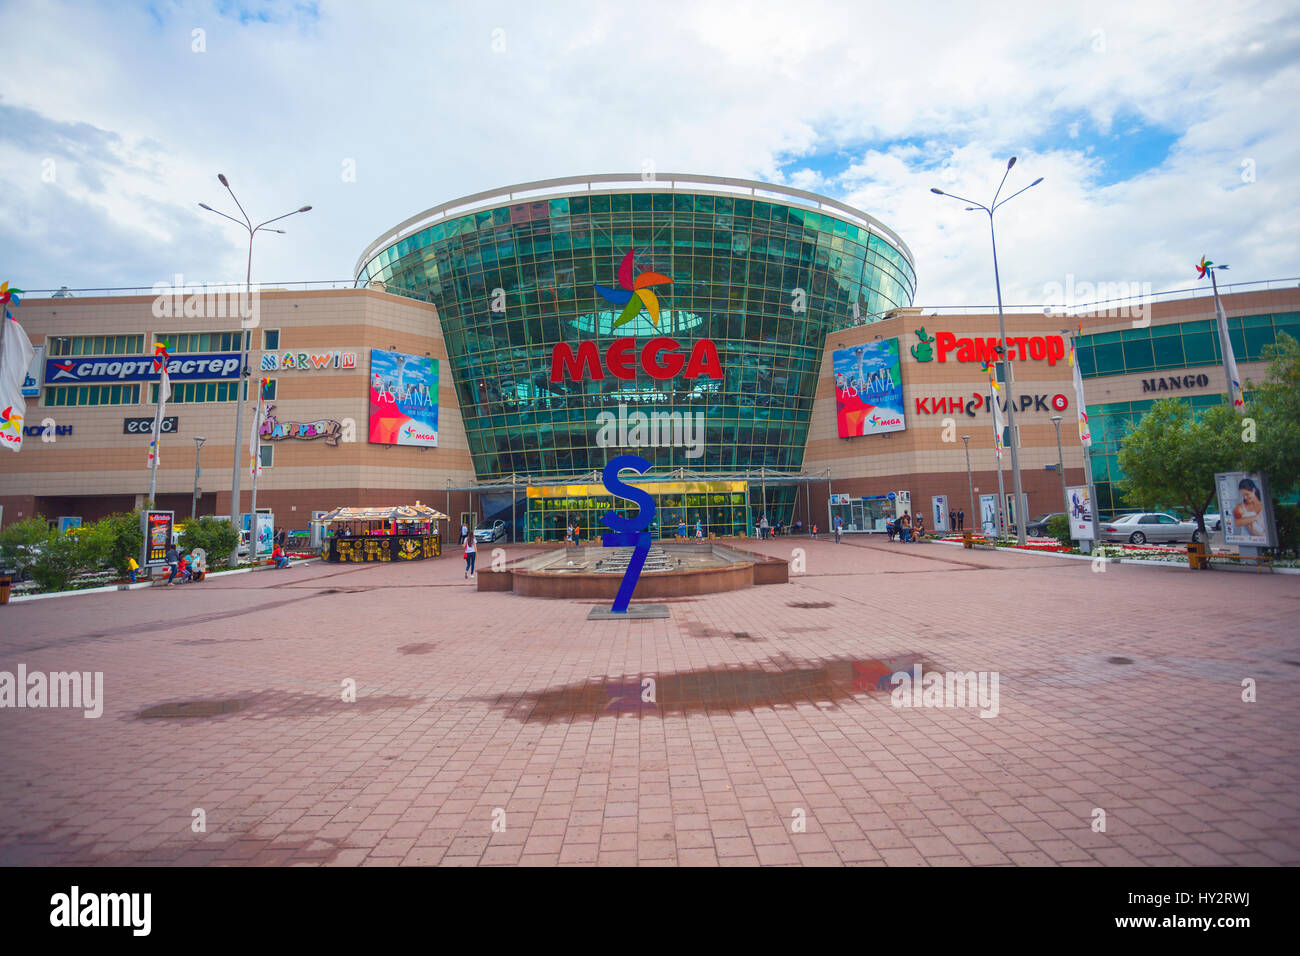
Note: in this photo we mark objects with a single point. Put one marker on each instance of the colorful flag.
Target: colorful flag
(998, 424)
(1229, 357)
(16, 354)
(254, 436)
(1085, 433)
(164, 393)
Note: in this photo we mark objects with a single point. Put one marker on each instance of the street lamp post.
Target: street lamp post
(970, 482)
(245, 336)
(194, 502)
(1002, 332)
(1060, 461)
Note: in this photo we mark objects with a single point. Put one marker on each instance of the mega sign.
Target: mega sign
(1019, 348)
(659, 357)
(72, 371)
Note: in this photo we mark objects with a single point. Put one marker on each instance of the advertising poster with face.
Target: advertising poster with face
(989, 514)
(1078, 506)
(1246, 509)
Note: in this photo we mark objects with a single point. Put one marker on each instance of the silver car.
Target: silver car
(1148, 526)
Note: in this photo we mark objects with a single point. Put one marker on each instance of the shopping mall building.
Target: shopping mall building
(759, 346)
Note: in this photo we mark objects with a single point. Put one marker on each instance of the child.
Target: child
(814, 532)
(132, 566)
(699, 530)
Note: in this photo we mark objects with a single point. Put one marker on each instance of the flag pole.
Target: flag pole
(1000, 513)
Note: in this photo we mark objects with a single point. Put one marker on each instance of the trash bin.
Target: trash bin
(4, 590)
(1198, 558)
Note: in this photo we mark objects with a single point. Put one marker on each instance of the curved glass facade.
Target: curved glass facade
(763, 279)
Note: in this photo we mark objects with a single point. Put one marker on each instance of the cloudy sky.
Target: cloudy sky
(1163, 130)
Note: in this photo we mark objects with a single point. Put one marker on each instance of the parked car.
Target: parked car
(1037, 527)
(1148, 526)
(486, 534)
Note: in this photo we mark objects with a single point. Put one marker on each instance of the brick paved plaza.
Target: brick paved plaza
(1118, 690)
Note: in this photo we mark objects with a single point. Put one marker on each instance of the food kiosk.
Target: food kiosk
(398, 533)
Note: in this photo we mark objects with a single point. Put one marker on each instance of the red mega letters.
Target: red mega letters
(1019, 348)
(659, 357)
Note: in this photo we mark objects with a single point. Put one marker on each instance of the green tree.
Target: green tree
(118, 537)
(217, 538)
(1275, 409)
(1058, 527)
(19, 542)
(58, 559)
(1170, 457)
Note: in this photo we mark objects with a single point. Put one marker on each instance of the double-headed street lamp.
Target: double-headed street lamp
(1002, 331)
(245, 336)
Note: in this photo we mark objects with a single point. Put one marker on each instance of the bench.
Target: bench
(1261, 560)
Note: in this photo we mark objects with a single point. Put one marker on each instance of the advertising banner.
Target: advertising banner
(403, 399)
(140, 368)
(1078, 507)
(1246, 509)
(265, 535)
(32, 380)
(989, 514)
(68, 521)
(157, 528)
(868, 389)
(939, 513)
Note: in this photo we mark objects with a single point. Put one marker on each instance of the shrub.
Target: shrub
(18, 542)
(1058, 527)
(116, 538)
(1288, 528)
(59, 558)
(217, 538)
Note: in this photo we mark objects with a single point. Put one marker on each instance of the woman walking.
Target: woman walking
(471, 552)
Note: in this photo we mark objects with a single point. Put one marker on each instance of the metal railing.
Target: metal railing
(610, 183)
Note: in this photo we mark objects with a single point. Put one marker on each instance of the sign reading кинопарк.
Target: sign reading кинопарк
(96, 371)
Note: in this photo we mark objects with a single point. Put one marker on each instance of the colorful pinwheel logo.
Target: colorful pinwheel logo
(8, 295)
(1203, 268)
(161, 356)
(993, 381)
(11, 421)
(635, 293)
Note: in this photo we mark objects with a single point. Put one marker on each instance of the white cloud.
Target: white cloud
(430, 105)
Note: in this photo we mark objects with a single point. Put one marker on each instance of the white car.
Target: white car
(1148, 527)
(487, 535)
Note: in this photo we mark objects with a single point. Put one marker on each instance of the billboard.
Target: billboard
(868, 389)
(181, 368)
(157, 528)
(1078, 505)
(32, 380)
(1246, 509)
(939, 513)
(989, 514)
(403, 399)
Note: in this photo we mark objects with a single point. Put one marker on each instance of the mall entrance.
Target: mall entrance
(722, 508)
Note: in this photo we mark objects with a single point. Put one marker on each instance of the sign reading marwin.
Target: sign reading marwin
(1175, 383)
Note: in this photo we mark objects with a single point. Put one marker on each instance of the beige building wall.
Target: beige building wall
(98, 459)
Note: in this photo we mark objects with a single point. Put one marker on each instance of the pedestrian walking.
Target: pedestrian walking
(577, 534)
(464, 533)
(699, 530)
(839, 528)
(471, 552)
(905, 524)
(173, 562)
